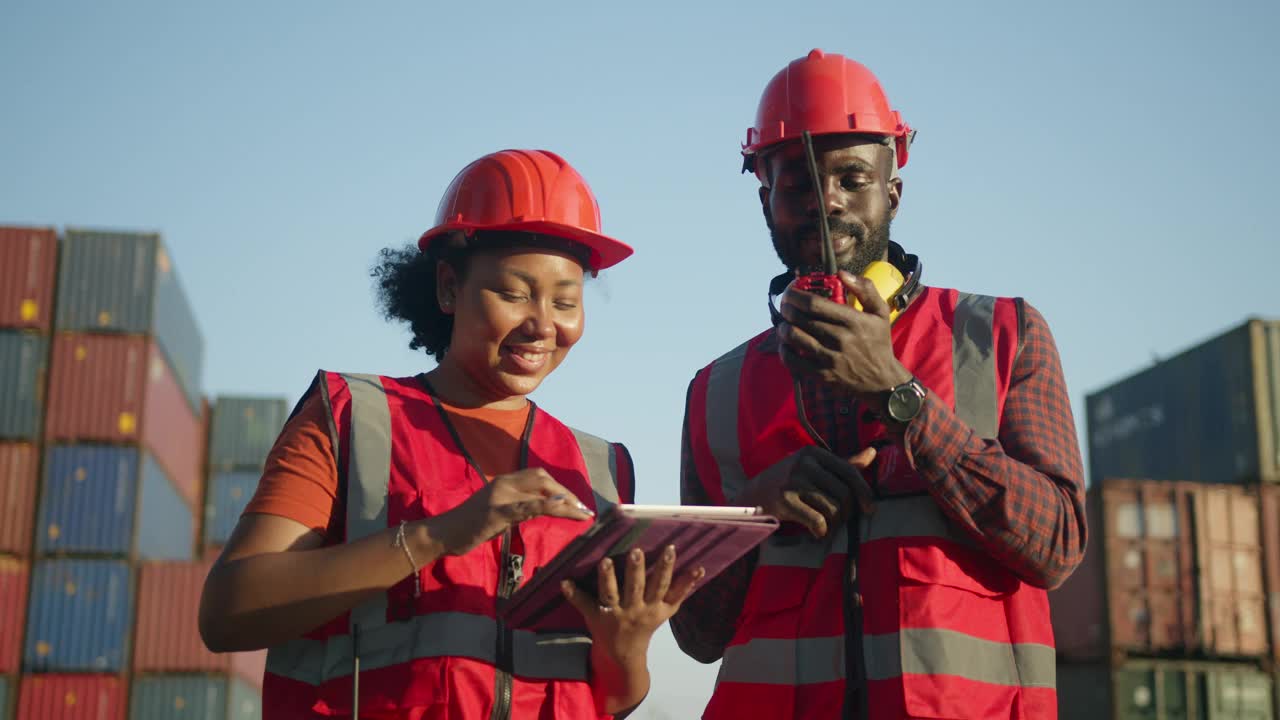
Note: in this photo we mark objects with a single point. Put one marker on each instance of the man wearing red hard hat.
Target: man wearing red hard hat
(917, 442)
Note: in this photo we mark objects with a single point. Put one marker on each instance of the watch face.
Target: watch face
(904, 404)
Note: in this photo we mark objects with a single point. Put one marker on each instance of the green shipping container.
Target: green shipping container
(1164, 690)
(243, 430)
(244, 701)
(6, 698)
(193, 697)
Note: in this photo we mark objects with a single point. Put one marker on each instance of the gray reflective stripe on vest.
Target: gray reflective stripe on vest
(448, 634)
(771, 661)
(803, 550)
(974, 364)
(912, 651)
(919, 651)
(601, 458)
(723, 388)
(368, 475)
(915, 516)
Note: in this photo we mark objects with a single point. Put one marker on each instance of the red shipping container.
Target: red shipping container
(71, 697)
(120, 388)
(14, 575)
(1171, 568)
(18, 477)
(167, 638)
(1271, 561)
(28, 259)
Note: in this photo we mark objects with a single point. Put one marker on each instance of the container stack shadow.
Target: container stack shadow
(104, 432)
(1173, 613)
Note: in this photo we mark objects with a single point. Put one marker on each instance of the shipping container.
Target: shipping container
(1163, 690)
(126, 282)
(72, 697)
(6, 698)
(1171, 568)
(168, 636)
(1207, 414)
(110, 500)
(13, 605)
(24, 359)
(229, 493)
(19, 468)
(80, 616)
(193, 697)
(28, 261)
(242, 431)
(118, 389)
(1270, 498)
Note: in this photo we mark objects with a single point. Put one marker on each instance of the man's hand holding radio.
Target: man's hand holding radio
(843, 347)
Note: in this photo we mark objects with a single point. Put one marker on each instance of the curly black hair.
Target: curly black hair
(406, 280)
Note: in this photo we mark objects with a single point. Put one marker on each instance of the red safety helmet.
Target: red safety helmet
(528, 191)
(824, 94)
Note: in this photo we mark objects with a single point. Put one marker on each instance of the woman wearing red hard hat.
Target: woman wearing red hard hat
(395, 513)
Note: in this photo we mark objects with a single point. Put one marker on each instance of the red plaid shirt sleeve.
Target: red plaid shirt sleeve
(1022, 495)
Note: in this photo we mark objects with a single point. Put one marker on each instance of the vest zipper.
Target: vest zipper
(510, 573)
(510, 565)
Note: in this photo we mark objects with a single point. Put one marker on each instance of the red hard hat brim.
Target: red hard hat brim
(605, 252)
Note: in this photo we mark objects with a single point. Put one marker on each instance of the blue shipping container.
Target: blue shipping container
(91, 504)
(24, 358)
(229, 493)
(80, 616)
(193, 697)
(126, 282)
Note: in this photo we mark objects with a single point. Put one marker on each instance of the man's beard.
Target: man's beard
(868, 246)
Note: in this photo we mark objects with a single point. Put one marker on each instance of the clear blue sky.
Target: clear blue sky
(1112, 162)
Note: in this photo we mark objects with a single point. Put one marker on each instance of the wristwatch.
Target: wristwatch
(904, 402)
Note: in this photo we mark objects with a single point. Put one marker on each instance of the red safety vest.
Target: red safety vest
(447, 655)
(938, 629)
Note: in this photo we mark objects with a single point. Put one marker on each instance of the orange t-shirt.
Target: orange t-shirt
(300, 481)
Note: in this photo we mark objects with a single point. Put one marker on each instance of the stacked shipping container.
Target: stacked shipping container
(126, 421)
(1175, 611)
(170, 661)
(241, 433)
(28, 266)
(121, 482)
(102, 470)
(174, 676)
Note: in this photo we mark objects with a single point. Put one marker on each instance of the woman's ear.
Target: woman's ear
(446, 286)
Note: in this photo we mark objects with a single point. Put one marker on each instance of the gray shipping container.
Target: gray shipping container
(1163, 690)
(126, 282)
(1208, 414)
(24, 359)
(242, 431)
(193, 697)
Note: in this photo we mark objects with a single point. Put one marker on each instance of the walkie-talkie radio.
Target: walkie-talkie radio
(824, 280)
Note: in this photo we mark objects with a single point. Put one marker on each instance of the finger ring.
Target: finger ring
(605, 608)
